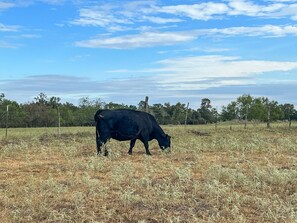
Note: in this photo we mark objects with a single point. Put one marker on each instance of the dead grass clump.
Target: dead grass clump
(198, 133)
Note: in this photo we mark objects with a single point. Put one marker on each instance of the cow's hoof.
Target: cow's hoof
(130, 153)
(148, 154)
(106, 153)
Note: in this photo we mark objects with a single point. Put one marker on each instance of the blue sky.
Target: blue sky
(172, 51)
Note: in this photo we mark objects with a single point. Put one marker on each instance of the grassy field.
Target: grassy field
(229, 175)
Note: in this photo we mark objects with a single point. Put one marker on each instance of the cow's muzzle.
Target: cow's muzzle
(166, 149)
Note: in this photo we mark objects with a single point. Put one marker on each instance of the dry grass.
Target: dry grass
(227, 176)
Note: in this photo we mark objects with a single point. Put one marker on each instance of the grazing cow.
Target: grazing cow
(126, 124)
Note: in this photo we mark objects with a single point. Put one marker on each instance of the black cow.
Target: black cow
(126, 124)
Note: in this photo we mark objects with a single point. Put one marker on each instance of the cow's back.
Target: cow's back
(125, 123)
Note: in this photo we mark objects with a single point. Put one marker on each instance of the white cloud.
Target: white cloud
(147, 39)
(6, 5)
(212, 71)
(213, 10)
(242, 7)
(265, 31)
(149, 16)
(203, 11)
(4, 44)
(150, 39)
(24, 36)
(98, 16)
(194, 49)
(287, 11)
(118, 71)
(160, 20)
(7, 28)
(121, 16)
(202, 72)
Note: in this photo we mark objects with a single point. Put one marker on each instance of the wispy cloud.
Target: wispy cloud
(6, 5)
(160, 20)
(194, 49)
(24, 36)
(131, 13)
(204, 72)
(215, 10)
(147, 17)
(121, 14)
(99, 16)
(130, 91)
(150, 39)
(8, 28)
(74, 87)
(4, 44)
(203, 11)
(249, 8)
(48, 83)
(181, 73)
(264, 31)
(147, 39)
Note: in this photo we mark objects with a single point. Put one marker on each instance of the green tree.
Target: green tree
(206, 113)
(179, 113)
(288, 111)
(141, 106)
(37, 115)
(15, 113)
(230, 112)
(2, 96)
(257, 110)
(67, 111)
(112, 106)
(244, 102)
(41, 99)
(159, 112)
(54, 102)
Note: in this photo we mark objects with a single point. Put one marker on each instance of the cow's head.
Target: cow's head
(165, 142)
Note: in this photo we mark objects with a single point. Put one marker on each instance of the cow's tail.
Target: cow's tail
(98, 115)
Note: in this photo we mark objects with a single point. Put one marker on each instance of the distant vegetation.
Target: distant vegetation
(44, 111)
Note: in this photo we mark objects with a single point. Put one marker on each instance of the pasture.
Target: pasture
(230, 175)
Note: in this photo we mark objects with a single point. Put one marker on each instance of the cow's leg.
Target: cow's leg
(98, 143)
(132, 144)
(144, 138)
(102, 135)
(146, 145)
(105, 150)
(102, 141)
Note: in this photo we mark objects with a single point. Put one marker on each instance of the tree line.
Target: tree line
(44, 111)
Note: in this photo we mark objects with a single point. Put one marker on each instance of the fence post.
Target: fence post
(59, 123)
(7, 110)
(216, 123)
(186, 118)
(246, 117)
(146, 104)
(268, 117)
